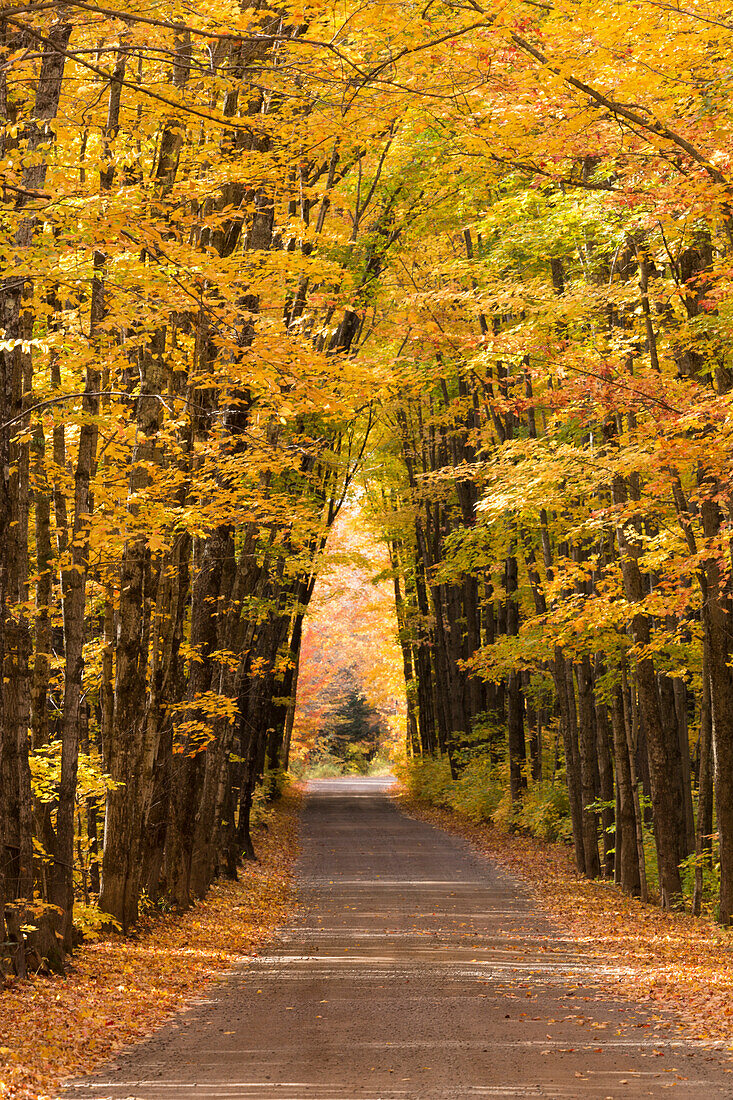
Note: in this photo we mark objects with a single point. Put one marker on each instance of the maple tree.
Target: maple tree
(556, 496)
(246, 249)
(178, 434)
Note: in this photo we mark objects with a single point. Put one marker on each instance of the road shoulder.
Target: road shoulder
(121, 990)
(670, 961)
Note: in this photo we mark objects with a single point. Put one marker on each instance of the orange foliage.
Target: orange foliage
(350, 629)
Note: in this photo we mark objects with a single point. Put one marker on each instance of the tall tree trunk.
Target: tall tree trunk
(73, 584)
(209, 558)
(667, 810)
(627, 849)
(131, 750)
(680, 700)
(704, 828)
(605, 776)
(670, 720)
(15, 633)
(42, 673)
(515, 699)
(587, 746)
(631, 725)
(717, 620)
(569, 732)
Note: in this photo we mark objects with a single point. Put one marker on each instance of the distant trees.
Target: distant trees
(354, 733)
(349, 649)
(343, 731)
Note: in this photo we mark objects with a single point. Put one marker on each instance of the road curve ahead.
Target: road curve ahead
(415, 970)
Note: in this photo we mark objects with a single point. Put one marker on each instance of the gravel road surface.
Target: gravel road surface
(414, 970)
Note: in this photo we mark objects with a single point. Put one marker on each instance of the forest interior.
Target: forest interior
(365, 404)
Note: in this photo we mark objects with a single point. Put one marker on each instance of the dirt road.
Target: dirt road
(414, 971)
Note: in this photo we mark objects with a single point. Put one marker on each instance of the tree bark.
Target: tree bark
(605, 775)
(666, 809)
(568, 728)
(587, 746)
(717, 620)
(15, 633)
(515, 699)
(704, 827)
(627, 849)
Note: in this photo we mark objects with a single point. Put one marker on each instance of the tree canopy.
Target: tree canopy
(473, 259)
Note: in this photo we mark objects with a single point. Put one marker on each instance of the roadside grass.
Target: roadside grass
(671, 960)
(122, 988)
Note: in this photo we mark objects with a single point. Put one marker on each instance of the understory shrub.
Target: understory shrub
(477, 792)
(545, 811)
(481, 793)
(326, 767)
(379, 765)
(427, 779)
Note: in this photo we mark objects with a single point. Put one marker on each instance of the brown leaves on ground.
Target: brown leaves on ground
(123, 988)
(673, 961)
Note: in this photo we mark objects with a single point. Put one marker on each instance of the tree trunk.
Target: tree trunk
(605, 776)
(15, 634)
(627, 849)
(587, 746)
(73, 583)
(667, 810)
(206, 605)
(680, 699)
(515, 699)
(569, 732)
(717, 617)
(131, 750)
(704, 829)
(631, 725)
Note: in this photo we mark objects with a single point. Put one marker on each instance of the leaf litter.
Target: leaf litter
(671, 961)
(121, 989)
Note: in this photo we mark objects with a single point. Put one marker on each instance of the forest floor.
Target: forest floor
(413, 969)
(393, 960)
(120, 989)
(670, 960)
